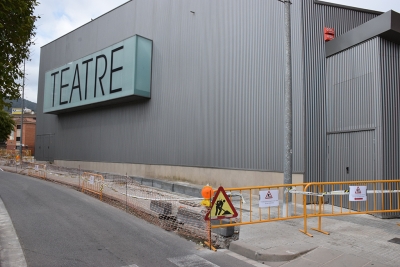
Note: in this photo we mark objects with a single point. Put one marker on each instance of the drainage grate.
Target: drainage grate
(395, 240)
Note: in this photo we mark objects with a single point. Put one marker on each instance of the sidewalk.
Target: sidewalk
(355, 240)
(11, 254)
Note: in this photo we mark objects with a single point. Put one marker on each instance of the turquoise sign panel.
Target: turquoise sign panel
(117, 73)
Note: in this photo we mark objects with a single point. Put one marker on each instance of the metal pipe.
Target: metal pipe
(288, 133)
(126, 192)
(22, 117)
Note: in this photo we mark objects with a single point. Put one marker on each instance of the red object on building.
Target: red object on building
(329, 31)
(329, 34)
(328, 37)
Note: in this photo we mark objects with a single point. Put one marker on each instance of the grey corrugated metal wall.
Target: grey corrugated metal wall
(217, 87)
(390, 69)
(351, 103)
(344, 20)
(363, 117)
(217, 98)
(353, 93)
(315, 18)
(390, 56)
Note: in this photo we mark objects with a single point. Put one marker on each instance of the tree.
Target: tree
(17, 29)
(6, 125)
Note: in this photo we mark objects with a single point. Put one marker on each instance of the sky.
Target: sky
(61, 17)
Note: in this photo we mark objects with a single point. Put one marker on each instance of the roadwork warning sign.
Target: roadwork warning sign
(269, 198)
(358, 193)
(221, 207)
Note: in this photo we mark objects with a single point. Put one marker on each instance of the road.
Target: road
(58, 226)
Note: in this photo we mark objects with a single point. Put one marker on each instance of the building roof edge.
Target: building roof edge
(386, 26)
(348, 7)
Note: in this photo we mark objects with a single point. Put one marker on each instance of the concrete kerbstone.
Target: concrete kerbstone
(147, 182)
(244, 249)
(281, 253)
(137, 179)
(163, 185)
(188, 190)
(285, 253)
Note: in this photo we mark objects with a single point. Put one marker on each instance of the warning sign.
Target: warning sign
(269, 198)
(358, 193)
(221, 207)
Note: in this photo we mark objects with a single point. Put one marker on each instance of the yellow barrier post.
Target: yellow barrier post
(304, 231)
(320, 212)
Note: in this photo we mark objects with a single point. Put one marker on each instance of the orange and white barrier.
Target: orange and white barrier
(93, 183)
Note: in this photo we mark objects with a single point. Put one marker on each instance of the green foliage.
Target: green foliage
(17, 29)
(6, 125)
(18, 103)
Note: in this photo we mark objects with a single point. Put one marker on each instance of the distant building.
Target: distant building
(28, 132)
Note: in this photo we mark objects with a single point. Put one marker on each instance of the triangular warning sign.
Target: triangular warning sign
(221, 207)
(358, 190)
(268, 195)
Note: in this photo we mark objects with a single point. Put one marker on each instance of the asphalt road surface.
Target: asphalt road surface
(58, 226)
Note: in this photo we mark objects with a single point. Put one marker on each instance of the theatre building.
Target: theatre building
(194, 90)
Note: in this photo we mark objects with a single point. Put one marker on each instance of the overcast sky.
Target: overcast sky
(60, 17)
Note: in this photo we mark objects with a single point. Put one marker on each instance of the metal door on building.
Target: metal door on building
(45, 149)
(351, 156)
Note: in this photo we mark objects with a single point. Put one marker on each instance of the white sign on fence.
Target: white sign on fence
(269, 198)
(358, 193)
(36, 167)
(91, 180)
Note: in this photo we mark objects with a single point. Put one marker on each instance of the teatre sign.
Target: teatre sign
(115, 74)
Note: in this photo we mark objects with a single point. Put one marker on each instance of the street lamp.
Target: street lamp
(22, 116)
(288, 139)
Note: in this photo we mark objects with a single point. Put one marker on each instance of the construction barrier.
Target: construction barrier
(36, 170)
(9, 156)
(93, 183)
(380, 197)
(157, 202)
(4, 153)
(261, 204)
(12, 157)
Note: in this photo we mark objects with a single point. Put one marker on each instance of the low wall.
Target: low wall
(195, 175)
